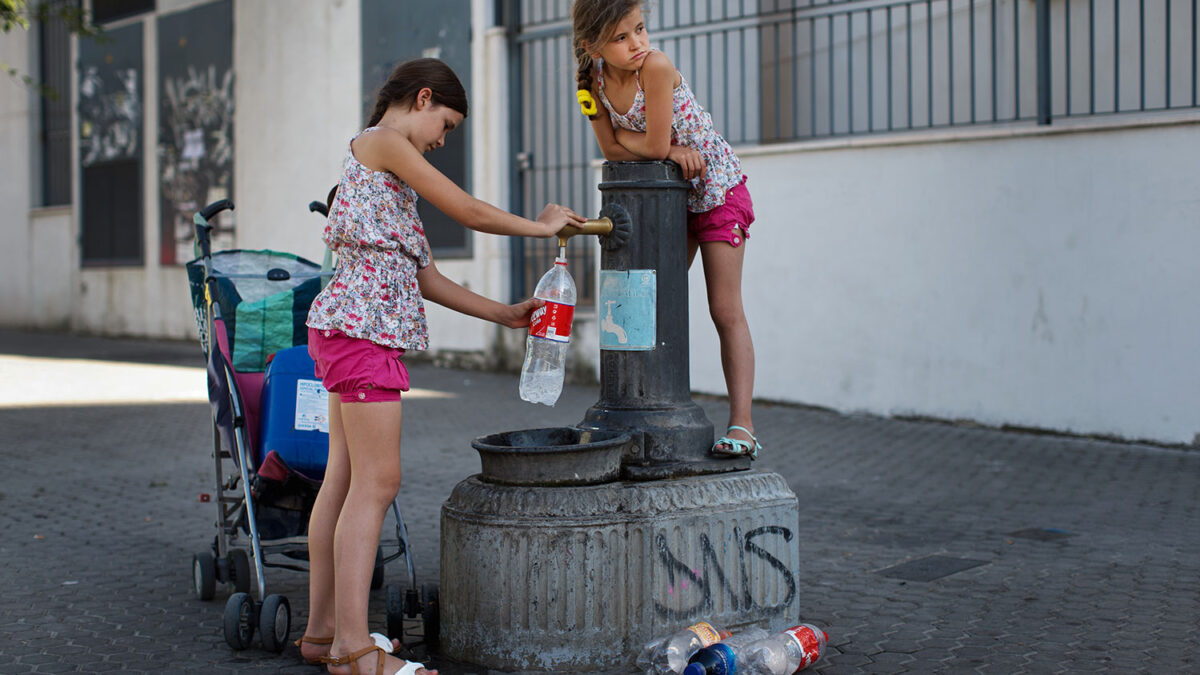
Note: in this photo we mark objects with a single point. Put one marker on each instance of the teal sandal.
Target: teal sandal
(737, 447)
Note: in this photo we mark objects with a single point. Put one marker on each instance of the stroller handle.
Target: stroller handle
(203, 245)
(318, 207)
(214, 208)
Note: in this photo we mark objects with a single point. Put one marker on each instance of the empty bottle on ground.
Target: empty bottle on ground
(724, 657)
(786, 652)
(549, 335)
(671, 653)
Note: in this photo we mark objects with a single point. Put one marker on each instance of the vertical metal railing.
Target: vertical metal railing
(771, 71)
(552, 141)
(1121, 56)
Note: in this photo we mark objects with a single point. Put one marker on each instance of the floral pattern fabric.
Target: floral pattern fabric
(691, 126)
(374, 229)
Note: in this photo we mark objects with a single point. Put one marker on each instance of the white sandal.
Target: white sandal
(409, 667)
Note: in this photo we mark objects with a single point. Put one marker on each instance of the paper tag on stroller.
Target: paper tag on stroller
(312, 406)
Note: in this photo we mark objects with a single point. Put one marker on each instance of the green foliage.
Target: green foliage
(19, 14)
(13, 14)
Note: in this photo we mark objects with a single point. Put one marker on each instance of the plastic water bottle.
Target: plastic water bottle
(671, 653)
(724, 657)
(549, 334)
(786, 652)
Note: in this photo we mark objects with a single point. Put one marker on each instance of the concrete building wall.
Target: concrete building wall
(1026, 276)
(16, 189)
(1039, 277)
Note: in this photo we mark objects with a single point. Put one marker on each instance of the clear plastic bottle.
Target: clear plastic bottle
(786, 652)
(724, 657)
(671, 653)
(549, 334)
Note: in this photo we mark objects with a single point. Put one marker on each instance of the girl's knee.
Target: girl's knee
(727, 316)
(382, 485)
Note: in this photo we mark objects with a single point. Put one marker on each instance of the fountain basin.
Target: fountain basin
(553, 456)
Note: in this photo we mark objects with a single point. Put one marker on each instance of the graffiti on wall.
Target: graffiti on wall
(195, 124)
(693, 586)
(110, 115)
(195, 153)
(110, 97)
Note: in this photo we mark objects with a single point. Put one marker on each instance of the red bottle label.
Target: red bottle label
(812, 642)
(552, 321)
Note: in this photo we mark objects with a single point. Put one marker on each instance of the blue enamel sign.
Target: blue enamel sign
(628, 305)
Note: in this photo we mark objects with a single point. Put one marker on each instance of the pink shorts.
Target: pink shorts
(356, 369)
(718, 224)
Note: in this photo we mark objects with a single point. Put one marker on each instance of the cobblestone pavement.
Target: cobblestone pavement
(1086, 553)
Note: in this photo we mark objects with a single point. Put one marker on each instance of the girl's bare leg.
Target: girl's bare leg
(723, 282)
(372, 432)
(321, 525)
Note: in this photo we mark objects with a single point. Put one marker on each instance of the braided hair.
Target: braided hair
(593, 23)
(411, 77)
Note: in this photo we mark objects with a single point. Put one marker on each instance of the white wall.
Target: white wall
(1036, 278)
(298, 69)
(16, 116)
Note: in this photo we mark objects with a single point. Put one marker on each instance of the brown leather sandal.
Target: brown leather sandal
(409, 667)
(314, 641)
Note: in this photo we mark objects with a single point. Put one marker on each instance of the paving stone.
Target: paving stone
(112, 492)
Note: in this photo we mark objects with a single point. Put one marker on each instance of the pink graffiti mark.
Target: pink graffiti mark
(683, 584)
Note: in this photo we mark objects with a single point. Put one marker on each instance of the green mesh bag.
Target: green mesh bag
(262, 296)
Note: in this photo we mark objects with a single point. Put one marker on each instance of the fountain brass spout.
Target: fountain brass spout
(595, 226)
(613, 227)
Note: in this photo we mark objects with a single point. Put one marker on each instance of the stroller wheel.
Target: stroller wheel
(204, 575)
(240, 619)
(274, 623)
(395, 611)
(239, 569)
(431, 618)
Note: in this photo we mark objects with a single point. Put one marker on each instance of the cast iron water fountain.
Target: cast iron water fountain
(576, 545)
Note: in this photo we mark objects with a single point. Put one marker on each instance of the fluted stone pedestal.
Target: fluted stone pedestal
(577, 579)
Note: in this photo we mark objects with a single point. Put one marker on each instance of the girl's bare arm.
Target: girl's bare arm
(389, 150)
(659, 79)
(612, 150)
(436, 287)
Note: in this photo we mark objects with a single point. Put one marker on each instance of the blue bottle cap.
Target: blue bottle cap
(693, 669)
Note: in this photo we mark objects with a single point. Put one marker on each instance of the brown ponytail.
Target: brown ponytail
(583, 76)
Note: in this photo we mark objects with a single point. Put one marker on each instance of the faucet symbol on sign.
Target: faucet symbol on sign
(608, 325)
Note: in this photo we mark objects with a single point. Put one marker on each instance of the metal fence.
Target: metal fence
(785, 70)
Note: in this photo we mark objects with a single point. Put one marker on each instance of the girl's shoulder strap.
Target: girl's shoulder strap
(362, 132)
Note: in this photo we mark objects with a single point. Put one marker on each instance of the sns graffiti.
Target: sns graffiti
(693, 585)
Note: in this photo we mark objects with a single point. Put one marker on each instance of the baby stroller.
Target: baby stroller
(270, 440)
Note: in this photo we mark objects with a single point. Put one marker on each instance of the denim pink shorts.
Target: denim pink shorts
(719, 223)
(358, 370)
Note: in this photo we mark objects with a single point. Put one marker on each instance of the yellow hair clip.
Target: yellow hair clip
(587, 104)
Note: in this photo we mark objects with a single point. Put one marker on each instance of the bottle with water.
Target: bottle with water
(724, 657)
(549, 334)
(671, 653)
(786, 652)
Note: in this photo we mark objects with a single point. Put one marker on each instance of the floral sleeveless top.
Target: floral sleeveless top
(691, 126)
(374, 229)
